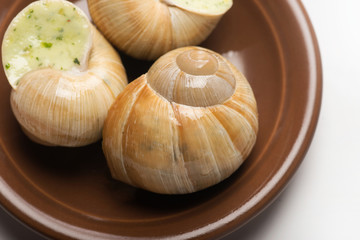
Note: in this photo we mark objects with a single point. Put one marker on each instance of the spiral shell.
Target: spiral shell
(149, 29)
(68, 108)
(187, 124)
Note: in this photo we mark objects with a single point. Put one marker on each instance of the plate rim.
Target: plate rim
(276, 186)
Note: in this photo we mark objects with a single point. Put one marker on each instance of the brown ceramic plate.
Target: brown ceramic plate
(68, 193)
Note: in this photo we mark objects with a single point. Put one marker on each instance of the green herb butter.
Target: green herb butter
(205, 6)
(45, 34)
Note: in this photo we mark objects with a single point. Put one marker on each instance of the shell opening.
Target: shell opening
(211, 7)
(46, 34)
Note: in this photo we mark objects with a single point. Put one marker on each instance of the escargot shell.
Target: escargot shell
(149, 29)
(65, 107)
(185, 125)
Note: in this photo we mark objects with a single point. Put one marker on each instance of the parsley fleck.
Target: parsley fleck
(30, 13)
(46, 44)
(76, 61)
(27, 48)
(60, 37)
(7, 66)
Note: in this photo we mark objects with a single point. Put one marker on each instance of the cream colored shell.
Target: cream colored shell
(69, 108)
(147, 29)
(181, 127)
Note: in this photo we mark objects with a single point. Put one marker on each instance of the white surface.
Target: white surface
(323, 199)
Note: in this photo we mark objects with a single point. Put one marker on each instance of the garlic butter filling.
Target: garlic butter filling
(205, 6)
(47, 33)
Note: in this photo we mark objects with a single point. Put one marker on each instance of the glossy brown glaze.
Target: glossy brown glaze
(68, 193)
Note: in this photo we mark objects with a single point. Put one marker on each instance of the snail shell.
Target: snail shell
(147, 29)
(187, 124)
(68, 108)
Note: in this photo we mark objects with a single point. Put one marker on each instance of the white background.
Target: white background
(323, 199)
